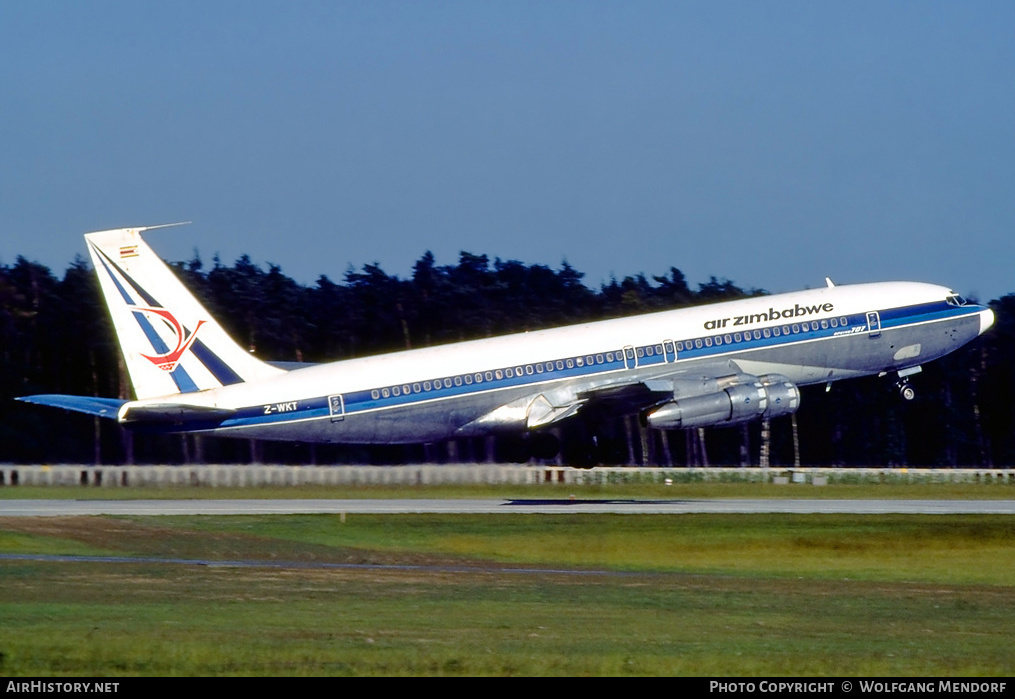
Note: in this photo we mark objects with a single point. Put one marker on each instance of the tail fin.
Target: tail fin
(169, 341)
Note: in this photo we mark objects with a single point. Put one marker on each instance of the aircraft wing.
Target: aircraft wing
(704, 395)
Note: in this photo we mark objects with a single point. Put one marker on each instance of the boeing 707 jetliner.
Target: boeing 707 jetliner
(712, 365)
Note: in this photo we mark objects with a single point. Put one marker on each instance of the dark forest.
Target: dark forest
(55, 337)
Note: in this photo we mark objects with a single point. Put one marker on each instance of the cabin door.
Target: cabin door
(873, 324)
(670, 351)
(630, 357)
(336, 406)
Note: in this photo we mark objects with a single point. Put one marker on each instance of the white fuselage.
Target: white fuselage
(812, 336)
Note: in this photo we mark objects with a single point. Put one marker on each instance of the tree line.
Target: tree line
(55, 337)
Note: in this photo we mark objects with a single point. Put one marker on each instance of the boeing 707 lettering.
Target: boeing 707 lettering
(714, 365)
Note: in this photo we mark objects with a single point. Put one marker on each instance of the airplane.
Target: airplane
(714, 365)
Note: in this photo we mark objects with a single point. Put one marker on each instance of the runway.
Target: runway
(65, 508)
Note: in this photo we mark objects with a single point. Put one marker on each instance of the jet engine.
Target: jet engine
(743, 399)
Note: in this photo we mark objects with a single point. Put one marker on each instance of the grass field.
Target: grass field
(512, 595)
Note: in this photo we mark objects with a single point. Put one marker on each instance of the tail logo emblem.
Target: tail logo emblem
(168, 360)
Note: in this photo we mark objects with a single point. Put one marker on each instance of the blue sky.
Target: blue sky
(771, 143)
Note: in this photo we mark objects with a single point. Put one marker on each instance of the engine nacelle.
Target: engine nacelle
(768, 396)
(783, 395)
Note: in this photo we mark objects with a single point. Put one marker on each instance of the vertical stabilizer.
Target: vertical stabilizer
(169, 341)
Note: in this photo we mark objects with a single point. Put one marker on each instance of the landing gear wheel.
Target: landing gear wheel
(906, 392)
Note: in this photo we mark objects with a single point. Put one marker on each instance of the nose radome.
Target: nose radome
(986, 319)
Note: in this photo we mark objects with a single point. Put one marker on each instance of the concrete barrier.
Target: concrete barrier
(244, 476)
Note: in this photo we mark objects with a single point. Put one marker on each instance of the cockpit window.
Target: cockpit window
(956, 300)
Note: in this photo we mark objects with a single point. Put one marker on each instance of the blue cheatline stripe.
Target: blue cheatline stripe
(895, 317)
(362, 401)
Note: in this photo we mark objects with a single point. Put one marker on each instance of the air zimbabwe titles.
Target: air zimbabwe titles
(797, 311)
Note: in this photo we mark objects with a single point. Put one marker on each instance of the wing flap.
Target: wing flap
(543, 413)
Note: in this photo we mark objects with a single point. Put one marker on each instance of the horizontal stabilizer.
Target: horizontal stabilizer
(100, 407)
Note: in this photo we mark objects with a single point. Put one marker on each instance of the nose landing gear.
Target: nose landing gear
(906, 391)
